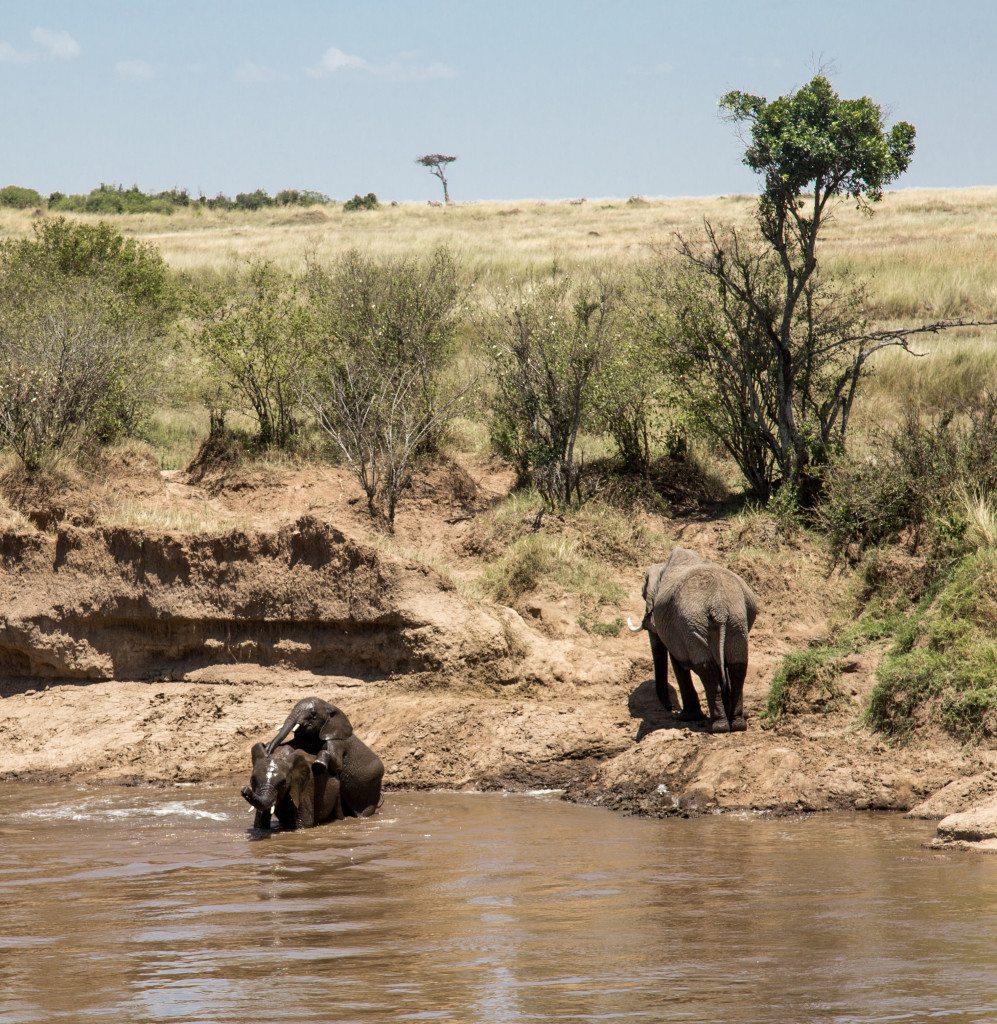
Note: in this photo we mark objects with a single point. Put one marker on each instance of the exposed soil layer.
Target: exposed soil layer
(132, 651)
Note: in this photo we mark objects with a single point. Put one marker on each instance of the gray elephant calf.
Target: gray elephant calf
(700, 614)
(322, 729)
(295, 786)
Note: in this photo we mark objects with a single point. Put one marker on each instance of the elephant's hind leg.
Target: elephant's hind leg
(736, 674)
(710, 674)
(691, 710)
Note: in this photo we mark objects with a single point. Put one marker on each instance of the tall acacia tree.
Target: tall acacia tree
(437, 163)
(779, 349)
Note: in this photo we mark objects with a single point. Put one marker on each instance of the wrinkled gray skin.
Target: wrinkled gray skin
(320, 728)
(699, 614)
(295, 786)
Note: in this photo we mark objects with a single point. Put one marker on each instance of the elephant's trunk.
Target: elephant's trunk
(290, 726)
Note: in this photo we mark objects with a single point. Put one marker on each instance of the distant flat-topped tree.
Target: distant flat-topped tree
(436, 162)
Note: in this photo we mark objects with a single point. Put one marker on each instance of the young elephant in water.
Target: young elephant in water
(295, 786)
(700, 614)
(320, 728)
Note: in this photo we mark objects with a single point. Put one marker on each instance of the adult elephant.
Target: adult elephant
(699, 614)
(320, 728)
(295, 786)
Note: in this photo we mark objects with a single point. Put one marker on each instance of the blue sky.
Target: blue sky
(545, 99)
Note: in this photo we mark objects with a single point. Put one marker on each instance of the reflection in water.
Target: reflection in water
(138, 906)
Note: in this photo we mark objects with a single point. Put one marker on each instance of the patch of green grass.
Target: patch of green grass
(539, 559)
(807, 681)
(590, 625)
(943, 665)
(596, 529)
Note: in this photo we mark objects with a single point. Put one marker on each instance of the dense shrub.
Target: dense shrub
(107, 199)
(61, 248)
(549, 341)
(135, 299)
(914, 482)
(359, 202)
(253, 200)
(257, 342)
(72, 368)
(20, 198)
(299, 197)
(382, 386)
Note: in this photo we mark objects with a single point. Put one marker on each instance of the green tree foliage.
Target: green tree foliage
(788, 343)
(359, 202)
(121, 286)
(632, 396)
(19, 198)
(257, 342)
(400, 313)
(382, 385)
(549, 342)
(73, 367)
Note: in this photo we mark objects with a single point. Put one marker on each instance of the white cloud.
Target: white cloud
(9, 55)
(335, 60)
(250, 74)
(136, 70)
(56, 44)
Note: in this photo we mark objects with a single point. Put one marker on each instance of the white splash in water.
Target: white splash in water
(101, 810)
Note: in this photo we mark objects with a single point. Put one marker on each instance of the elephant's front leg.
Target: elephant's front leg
(660, 655)
(710, 674)
(332, 754)
(691, 709)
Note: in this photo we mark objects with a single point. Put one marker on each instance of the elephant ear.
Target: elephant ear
(257, 751)
(652, 582)
(302, 789)
(338, 727)
(299, 777)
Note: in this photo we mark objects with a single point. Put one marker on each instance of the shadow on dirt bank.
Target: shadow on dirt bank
(643, 704)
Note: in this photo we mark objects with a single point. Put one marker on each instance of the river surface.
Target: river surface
(131, 905)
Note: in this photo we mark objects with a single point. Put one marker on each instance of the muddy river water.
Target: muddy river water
(132, 905)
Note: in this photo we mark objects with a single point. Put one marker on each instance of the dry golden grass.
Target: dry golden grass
(925, 254)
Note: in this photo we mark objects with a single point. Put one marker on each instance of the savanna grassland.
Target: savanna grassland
(924, 254)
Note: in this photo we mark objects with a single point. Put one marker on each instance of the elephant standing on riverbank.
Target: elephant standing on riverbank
(321, 729)
(295, 786)
(699, 614)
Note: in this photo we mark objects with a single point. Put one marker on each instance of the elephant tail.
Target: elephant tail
(719, 657)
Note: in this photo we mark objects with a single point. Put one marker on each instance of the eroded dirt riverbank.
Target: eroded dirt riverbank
(133, 652)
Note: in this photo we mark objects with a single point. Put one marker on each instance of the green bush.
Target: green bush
(908, 486)
(135, 299)
(253, 200)
(549, 343)
(382, 386)
(73, 368)
(61, 249)
(257, 343)
(20, 198)
(359, 202)
(106, 199)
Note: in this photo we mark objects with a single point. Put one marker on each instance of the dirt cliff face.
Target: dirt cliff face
(127, 604)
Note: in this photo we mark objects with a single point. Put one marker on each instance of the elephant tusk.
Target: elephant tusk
(294, 728)
(631, 626)
(273, 808)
